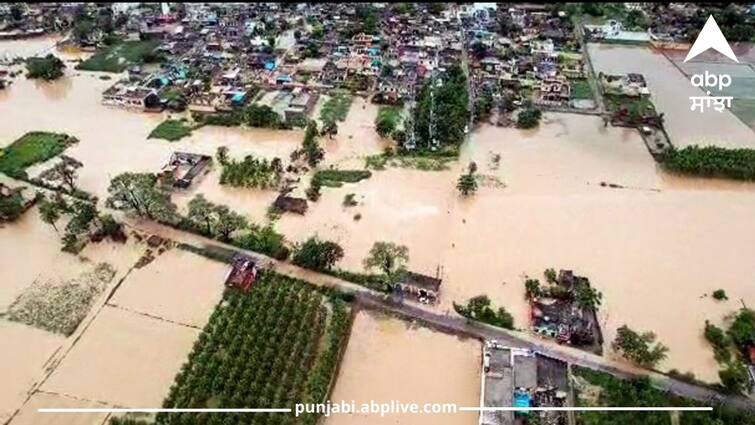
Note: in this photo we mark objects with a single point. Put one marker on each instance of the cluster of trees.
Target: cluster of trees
(139, 193)
(250, 172)
(310, 148)
(213, 220)
(483, 106)
(528, 117)
(730, 349)
(640, 348)
(11, 207)
(46, 68)
(711, 161)
(64, 172)
(84, 221)
(262, 116)
(467, 183)
(450, 109)
(388, 258)
(274, 346)
(479, 308)
(582, 294)
(640, 392)
(316, 254)
(387, 121)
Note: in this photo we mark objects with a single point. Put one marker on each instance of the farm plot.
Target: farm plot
(272, 347)
(177, 286)
(28, 415)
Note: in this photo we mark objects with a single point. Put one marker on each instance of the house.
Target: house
(300, 105)
(183, 167)
(425, 289)
(243, 273)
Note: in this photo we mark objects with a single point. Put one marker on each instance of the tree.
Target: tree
(586, 296)
(528, 118)
(64, 171)
(479, 308)
(532, 288)
(720, 295)
(389, 258)
(83, 214)
(312, 150)
(228, 222)
(330, 128)
(742, 330)
(639, 348)
(734, 377)
(47, 68)
(222, 155)
(49, 212)
(467, 184)
(137, 192)
(550, 275)
(318, 255)
(720, 342)
(201, 214)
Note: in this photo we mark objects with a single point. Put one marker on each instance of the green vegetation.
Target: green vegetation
(350, 200)
(336, 107)
(262, 116)
(250, 172)
(731, 348)
(528, 118)
(119, 56)
(450, 110)
(32, 148)
(612, 391)
(11, 207)
(310, 149)
(64, 171)
(171, 130)
(315, 254)
(140, 194)
(336, 178)
(580, 89)
(430, 162)
(387, 120)
(720, 295)
(46, 68)
(277, 345)
(720, 342)
(639, 348)
(479, 308)
(467, 184)
(711, 161)
(389, 258)
(634, 106)
(216, 221)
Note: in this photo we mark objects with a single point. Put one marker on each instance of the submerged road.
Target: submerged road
(458, 325)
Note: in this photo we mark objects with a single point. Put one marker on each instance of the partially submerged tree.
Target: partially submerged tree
(138, 193)
(389, 258)
(639, 348)
(311, 149)
(46, 68)
(467, 183)
(64, 171)
(316, 254)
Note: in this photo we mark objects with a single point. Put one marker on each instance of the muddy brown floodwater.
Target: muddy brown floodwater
(654, 248)
(386, 360)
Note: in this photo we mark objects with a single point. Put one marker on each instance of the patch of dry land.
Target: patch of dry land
(387, 360)
(124, 359)
(670, 91)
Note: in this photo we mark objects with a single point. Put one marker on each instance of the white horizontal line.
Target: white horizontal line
(160, 410)
(586, 409)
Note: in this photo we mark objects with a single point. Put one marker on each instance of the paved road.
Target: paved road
(455, 324)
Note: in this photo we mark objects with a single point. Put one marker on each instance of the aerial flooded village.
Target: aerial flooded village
(374, 213)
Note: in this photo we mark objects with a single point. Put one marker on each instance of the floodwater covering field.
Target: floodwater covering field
(386, 360)
(670, 90)
(655, 247)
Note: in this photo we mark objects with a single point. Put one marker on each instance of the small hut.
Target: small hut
(290, 204)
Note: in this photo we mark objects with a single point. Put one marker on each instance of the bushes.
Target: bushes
(638, 347)
(47, 68)
(276, 345)
(336, 178)
(478, 308)
(262, 116)
(251, 172)
(32, 148)
(711, 161)
(265, 240)
(119, 56)
(337, 107)
(387, 120)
